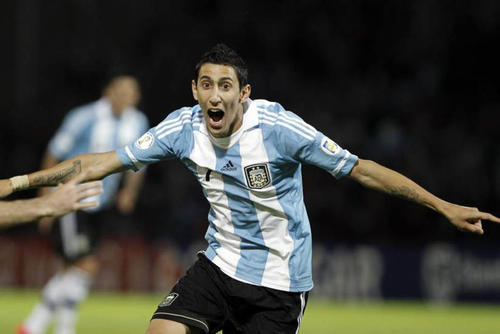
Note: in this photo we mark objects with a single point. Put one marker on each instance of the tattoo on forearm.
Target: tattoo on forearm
(63, 175)
(405, 192)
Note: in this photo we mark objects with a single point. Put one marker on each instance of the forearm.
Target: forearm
(374, 176)
(98, 166)
(22, 211)
(133, 181)
(48, 161)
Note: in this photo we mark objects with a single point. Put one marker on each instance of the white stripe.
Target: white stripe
(172, 126)
(69, 234)
(341, 164)
(289, 127)
(131, 156)
(298, 121)
(169, 121)
(300, 124)
(267, 113)
(301, 314)
(228, 255)
(179, 128)
(267, 118)
(178, 121)
(272, 218)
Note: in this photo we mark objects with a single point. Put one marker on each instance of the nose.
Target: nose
(214, 97)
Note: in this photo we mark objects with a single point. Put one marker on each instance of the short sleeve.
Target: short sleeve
(302, 142)
(165, 141)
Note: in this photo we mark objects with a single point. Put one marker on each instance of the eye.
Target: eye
(205, 84)
(226, 86)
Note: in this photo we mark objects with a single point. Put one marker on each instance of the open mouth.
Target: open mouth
(215, 116)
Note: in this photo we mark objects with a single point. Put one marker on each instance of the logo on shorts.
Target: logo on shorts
(145, 142)
(329, 146)
(169, 299)
(257, 176)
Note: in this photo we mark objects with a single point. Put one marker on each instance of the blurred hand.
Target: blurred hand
(125, 202)
(45, 225)
(5, 188)
(67, 197)
(468, 219)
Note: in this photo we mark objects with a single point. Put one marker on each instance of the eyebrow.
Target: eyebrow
(221, 79)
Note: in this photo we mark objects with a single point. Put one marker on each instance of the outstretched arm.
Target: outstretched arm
(64, 199)
(372, 175)
(98, 166)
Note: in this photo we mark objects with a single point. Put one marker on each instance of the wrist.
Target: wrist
(19, 182)
(42, 208)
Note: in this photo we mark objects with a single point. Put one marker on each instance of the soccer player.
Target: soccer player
(255, 275)
(104, 125)
(66, 198)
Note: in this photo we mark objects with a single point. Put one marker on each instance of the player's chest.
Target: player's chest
(246, 164)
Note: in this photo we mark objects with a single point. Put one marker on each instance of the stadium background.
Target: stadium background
(410, 84)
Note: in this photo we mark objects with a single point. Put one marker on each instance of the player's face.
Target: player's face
(124, 93)
(218, 92)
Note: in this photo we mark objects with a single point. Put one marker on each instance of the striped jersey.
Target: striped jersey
(93, 128)
(258, 231)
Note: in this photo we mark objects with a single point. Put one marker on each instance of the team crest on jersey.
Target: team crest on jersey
(328, 146)
(145, 142)
(169, 299)
(257, 176)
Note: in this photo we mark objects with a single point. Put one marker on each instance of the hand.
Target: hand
(125, 202)
(5, 188)
(67, 197)
(468, 219)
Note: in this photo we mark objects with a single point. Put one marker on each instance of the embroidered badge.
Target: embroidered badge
(328, 146)
(257, 176)
(145, 142)
(169, 299)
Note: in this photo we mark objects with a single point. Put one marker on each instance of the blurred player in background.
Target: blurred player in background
(256, 272)
(66, 198)
(111, 122)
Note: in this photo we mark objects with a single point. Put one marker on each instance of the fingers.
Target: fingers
(86, 205)
(88, 193)
(79, 178)
(475, 228)
(488, 216)
(90, 185)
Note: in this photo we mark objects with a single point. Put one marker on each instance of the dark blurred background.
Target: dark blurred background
(410, 84)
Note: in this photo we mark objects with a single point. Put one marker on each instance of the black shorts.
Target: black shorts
(76, 235)
(208, 299)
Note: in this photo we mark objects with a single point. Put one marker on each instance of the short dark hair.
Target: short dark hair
(223, 55)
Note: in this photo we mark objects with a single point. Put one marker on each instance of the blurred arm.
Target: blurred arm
(64, 199)
(374, 176)
(127, 196)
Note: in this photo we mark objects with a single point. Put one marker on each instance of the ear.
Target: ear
(194, 89)
(245, 93)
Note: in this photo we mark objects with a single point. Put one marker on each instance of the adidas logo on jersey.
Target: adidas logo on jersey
(228, 167)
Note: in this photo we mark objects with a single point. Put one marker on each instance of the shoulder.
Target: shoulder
(275, 118)
(180, 120)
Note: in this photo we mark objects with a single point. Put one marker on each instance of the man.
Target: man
(107, 124)
(66, 198)
(247, 155)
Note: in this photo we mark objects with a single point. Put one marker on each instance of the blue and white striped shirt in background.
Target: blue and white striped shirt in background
(258, 230)
(93, 128)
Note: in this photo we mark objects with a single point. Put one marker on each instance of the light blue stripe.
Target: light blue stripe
(292, 202)
(243, 217)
